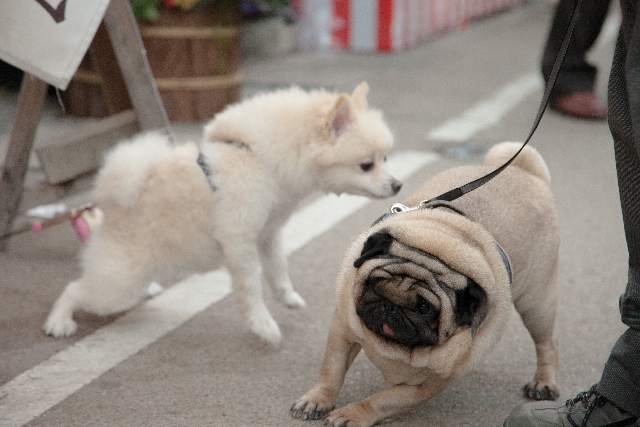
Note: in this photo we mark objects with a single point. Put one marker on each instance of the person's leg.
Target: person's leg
(576, 74)
(615, 400)
(573, 93)
(620, 382)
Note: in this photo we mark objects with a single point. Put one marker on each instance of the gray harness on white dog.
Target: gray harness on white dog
(206, 170)
(202, 161)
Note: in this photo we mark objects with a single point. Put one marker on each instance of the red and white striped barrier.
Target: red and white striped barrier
(385, 25)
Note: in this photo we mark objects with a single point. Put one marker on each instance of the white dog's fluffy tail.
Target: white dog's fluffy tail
(529, 159)
(125, 168)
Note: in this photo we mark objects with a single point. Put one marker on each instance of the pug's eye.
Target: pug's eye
(423, 307)
(367, 167)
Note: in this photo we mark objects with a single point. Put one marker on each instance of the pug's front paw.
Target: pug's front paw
(541, 391)
(354, 415)
(308, 408)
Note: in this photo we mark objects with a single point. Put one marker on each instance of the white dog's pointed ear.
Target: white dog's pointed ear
(360, 93)
(340, 116)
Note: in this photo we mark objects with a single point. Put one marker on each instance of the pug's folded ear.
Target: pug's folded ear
(471, 304)
(377, 245)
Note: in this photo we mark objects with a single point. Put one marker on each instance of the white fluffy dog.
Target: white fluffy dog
(174, 210)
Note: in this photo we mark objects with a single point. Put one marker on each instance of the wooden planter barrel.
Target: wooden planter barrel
(84, 96)
(195, 62)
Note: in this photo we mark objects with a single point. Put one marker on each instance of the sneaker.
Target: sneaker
(587, 409)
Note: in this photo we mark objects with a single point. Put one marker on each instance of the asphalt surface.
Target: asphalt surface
(207, 369)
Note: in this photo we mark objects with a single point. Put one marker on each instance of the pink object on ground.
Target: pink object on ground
(81, 228)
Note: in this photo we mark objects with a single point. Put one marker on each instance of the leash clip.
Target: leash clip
(399, 207)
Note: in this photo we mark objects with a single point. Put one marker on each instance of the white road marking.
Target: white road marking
(35, 391)
(487, 113)
(609, 30)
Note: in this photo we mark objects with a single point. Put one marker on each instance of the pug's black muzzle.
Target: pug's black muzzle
(415, 326)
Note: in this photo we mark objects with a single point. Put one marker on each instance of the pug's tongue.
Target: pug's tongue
(387, 330)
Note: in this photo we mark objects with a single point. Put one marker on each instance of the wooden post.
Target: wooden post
(105, 63)
(30, 103)
(127, 44)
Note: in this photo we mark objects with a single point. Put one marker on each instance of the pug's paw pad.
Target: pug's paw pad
(541, 391)
(349, 416)
(293, 299)
(339, 422)
(308, 410)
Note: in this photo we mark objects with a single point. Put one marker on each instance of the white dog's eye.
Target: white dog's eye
(367, 166)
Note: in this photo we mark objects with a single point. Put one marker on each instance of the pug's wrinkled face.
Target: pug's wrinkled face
(412, 319)
(418, 302)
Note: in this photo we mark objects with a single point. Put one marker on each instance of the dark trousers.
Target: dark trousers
(620, 382)
(576, 74)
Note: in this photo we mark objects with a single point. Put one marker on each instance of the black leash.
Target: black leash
(470, 186)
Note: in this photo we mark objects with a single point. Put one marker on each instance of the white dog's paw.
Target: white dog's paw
(154, 289)
(63, 327)
(263, 325)
(293, 299)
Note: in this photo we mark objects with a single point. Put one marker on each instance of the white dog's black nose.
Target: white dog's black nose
(396, 186)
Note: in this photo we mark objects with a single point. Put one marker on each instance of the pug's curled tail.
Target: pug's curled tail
(529, 159)
(125, 169)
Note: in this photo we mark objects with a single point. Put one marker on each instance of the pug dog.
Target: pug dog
(427, 292)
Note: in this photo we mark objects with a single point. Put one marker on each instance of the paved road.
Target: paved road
(185, 357)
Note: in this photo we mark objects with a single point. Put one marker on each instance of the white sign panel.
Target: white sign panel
(48, 38)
